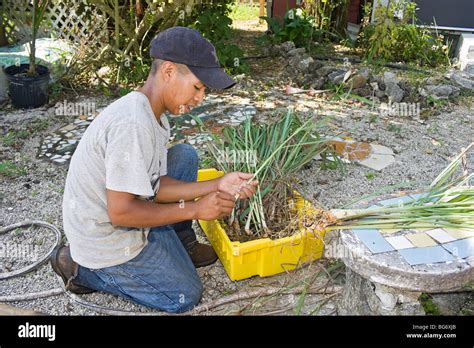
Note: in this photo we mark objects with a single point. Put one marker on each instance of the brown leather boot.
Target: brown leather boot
(201, 254)
(63, 265)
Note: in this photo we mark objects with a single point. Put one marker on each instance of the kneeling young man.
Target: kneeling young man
(129, 203)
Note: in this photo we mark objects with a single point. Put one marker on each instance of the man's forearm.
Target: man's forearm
(173, 190)
(149, 214)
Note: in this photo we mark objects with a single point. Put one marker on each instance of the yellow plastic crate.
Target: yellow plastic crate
(263, 257)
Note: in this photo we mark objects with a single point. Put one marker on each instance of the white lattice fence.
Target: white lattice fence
(74, 21)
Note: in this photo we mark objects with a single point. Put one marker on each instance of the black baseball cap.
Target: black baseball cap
(187, 46)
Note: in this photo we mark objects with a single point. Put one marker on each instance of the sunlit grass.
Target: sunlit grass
(244, 12)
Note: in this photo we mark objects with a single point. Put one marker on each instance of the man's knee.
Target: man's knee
(189, 296)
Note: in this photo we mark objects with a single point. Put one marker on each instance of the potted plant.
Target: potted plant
(28, 83)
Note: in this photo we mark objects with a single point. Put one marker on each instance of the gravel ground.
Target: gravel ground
(422, 149)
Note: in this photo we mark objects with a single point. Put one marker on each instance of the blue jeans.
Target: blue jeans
(162, 276)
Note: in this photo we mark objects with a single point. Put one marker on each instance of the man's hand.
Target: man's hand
(214, 205)
(236, 182)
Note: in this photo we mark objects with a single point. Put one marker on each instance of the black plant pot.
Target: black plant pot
(27, 91)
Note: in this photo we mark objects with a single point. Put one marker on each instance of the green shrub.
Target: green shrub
(297, 26)
(127, 52)
(400, 40)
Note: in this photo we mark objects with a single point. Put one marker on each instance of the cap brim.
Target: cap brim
(215, 78)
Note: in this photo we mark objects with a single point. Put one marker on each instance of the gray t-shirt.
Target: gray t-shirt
(123, 149)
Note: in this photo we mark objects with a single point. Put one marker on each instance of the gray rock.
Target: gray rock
(390, 77)
(337, 76)
(394, 92)
(67, 148)
(316, 65)
(439, 91)
(363, 91)
(462, 79)
(287, 46)
(379, 93)
(297, 52)
(274, 50)
(325, 70)
(431, 81)
(294, 62)
(305, 64)
(318, 83)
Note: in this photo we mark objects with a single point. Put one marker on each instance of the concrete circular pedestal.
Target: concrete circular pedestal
(385, 283)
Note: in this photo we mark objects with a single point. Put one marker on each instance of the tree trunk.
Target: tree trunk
(3, 38)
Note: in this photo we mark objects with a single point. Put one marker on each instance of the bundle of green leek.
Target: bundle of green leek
(274, 153)
(448, 203)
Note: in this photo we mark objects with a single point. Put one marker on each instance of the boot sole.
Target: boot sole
(75, 289)
(205, 263)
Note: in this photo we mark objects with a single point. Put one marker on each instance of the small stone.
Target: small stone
(60, 160)
(287, 46)
(394, 92)
(379, 93)
(462, 79)
(381, 150)
(69, 135)
(318, 83)
(297, 51)
(305, 64)
(67, 128)
(337, 76)
(390, 77)
(439, 91)
(55, 157)
(325, 70)
(378, 162)
(357, 81)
